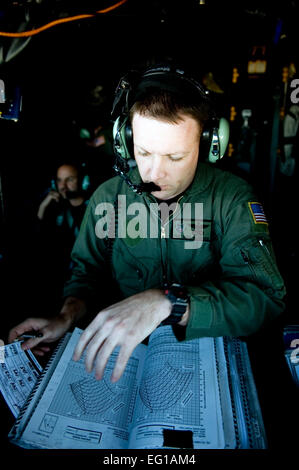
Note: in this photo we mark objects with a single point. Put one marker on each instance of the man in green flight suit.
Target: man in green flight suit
(186, 243)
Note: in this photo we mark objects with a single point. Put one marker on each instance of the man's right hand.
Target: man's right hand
(48, 330)
(51, 196)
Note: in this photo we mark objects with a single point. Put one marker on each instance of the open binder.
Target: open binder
(192, 394)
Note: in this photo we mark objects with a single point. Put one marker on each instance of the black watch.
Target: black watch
(179, 298)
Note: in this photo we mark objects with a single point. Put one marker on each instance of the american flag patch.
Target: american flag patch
(257, 213)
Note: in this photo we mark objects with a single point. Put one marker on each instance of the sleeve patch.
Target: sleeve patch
(257, 212)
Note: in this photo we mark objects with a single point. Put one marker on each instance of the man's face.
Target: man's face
(166, 153)
(67, 180)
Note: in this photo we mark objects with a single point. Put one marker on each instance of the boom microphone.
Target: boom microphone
(137, 188)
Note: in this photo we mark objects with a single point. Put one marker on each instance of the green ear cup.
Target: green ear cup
(220, 139)
(120, 138)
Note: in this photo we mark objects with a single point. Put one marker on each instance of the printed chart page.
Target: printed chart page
(179, 391)
(19, 371)
(78, 411)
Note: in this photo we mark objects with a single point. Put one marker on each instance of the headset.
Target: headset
(136, 84)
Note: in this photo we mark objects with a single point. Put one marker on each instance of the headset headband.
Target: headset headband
(136, 83)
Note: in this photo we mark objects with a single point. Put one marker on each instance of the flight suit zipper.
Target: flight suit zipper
(248, 262)
(163, 240)
(261, 242)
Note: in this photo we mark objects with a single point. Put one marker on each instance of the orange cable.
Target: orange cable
(62, 20)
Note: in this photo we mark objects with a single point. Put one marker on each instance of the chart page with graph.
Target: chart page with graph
(178, 392)
(169, 389)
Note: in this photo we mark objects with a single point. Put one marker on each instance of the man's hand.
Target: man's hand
(125, 324)
(48, 330)
(51, 196)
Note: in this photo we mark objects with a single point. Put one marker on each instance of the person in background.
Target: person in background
(59, 217)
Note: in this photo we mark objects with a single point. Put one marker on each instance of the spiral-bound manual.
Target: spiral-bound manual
(197, 394)
(39, 386)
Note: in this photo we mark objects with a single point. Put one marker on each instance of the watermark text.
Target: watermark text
(138, 220)
(295, 93)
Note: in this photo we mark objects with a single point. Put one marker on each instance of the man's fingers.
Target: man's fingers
(42, 348)
(92, 350)
(87, 336)
(29, 325)
(84, 339)
(19, 330)
(54, 195)
(96, 343)
(38, 352)
(45, 348)
(122, 360)
(31, 343)
(103, 357)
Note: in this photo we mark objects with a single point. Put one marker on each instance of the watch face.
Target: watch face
(176, 291)
(178, 296)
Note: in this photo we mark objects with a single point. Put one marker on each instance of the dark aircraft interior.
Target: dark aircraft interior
(60, 63)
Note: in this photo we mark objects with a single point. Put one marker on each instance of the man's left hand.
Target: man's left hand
(125, 324)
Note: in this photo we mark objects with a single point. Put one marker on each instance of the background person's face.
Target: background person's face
(166, 153)
(67, 180)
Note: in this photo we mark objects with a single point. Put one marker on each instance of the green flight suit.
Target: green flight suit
(232, 278)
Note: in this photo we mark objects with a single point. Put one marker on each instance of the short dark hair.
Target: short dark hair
(171, 107)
